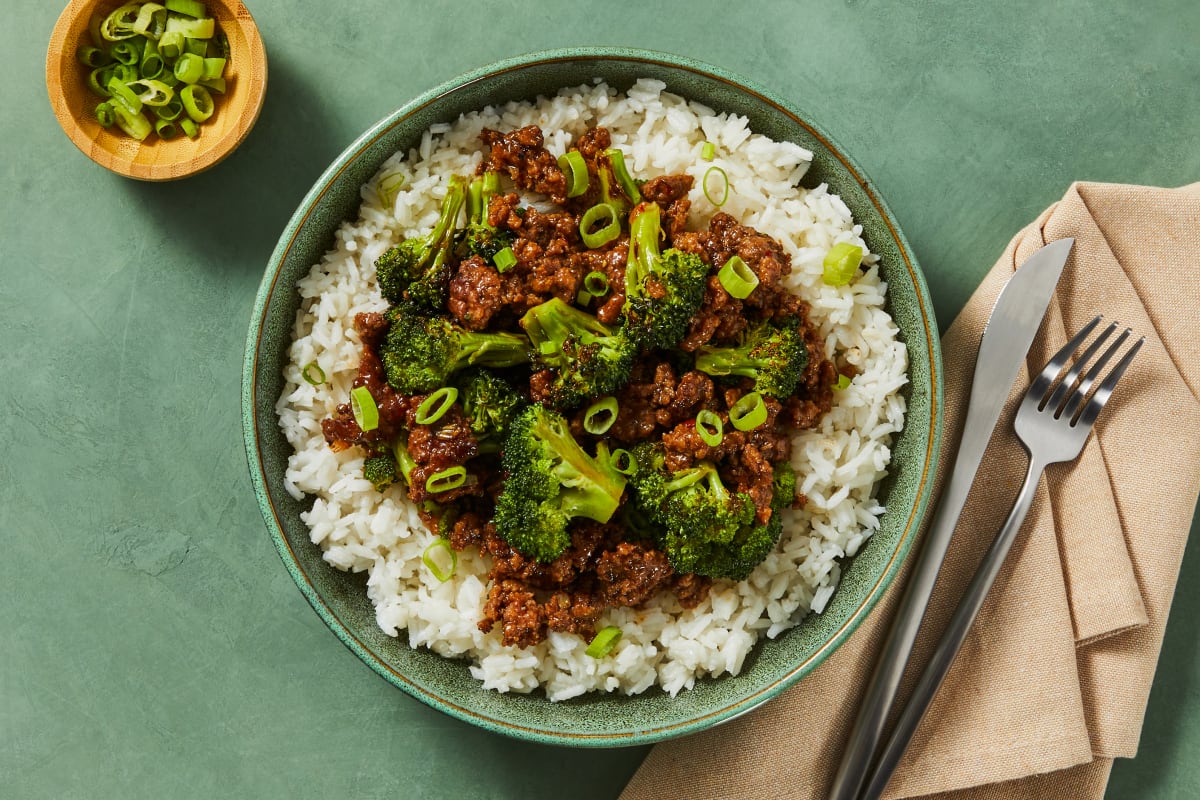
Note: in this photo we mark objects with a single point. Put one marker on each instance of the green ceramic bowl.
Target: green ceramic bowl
(597, 720)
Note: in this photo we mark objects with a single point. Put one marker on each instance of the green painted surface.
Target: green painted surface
(154, 645)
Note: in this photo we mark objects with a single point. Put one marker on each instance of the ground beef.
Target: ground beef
(522, 157)
(631, 574)
(475, 294)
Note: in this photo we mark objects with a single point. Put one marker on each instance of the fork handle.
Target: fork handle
(953, 637)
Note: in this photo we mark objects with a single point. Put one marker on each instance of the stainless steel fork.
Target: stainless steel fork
(1053, 422)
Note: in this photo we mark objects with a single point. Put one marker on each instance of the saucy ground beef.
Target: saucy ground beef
(605, 565)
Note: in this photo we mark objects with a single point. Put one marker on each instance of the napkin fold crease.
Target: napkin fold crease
(1052, 682)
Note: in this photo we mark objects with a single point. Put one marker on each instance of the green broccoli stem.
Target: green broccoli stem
(553, 322)
(405, 463)
(645, 229)
(491, 350)
(730, 361)
(448, 218)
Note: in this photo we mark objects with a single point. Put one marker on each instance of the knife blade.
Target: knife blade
(1006, 338)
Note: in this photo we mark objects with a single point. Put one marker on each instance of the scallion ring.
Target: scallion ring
(841, 264)
(575, 169)
(133, 123)
(362, 404)
(622, 461)
(197, 102)
(708, 151)
(388, 187)
(170, 44)
(737, 278)
(604, 215)
(724, 186)
(603, 642)
(505, 259)
(583, 299)
(213, 67)
(171, 110)
(710, 428)
(152, 65)
(435, 406)
(600, 416)
(189, 127)
(151, 20)
(127, 52)
(97, 81)
(165, 129)
(189, 68)
(119, 24)
(192, 28)
(446, 479)
(440, 551)
(189, 8)
(748, 412)
(124, 96)
(595, 283)
(151, 92)
(105, 115)
(313, 374)
(624, 179)
(93, 57)
(843, 383)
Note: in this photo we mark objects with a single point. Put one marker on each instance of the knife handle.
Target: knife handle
(868, 730)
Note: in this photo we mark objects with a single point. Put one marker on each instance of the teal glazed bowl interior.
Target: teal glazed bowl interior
(598, 720)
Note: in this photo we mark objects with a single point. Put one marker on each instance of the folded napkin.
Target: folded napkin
(1052, 683)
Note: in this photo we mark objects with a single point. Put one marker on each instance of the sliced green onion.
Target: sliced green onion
(151, 92)
(583, 299)
(596, 283)
(197, 102)
(125, 96)
(190, 8)
(362, 404)
(708, 151)
(189, 68)
(213, 67)
(119, 24)
(435, 406)
(710, 428)
(724, 184)
(440, 551)
(151, 20)
(215, 85)
(197, 47)
(841, 263)
(737, 278)
(843, 382)
(165, 129)
(127, 52)
(600, 416)
(192, 28)
(312, 373)
(152, 62)
(575, 168)
(125, 73)
(748, 412)
(609, 220)
(171, 110)
(170, 44)
(189, 127)
(505, 259)
(603, 642)
(97, 81)
(92, 57)
(446, 480)
(133, 123)
(622, 461)
(388, 187)
(105, 115)
(624, 179)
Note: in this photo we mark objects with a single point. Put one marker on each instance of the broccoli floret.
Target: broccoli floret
(773, 355)
(419, 269)
(753, 543)
(421, 352)
(589, 358)
(662, 290)
(549, 481)
(478, 237)
(490, 403)
(702, 526)
(381, 471)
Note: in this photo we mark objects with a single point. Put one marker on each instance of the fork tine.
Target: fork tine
(1045, 378)
(1092, 410)
(1071, 406)
(1063, 390)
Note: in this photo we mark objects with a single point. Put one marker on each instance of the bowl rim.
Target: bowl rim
(221, 148)
(650, 733)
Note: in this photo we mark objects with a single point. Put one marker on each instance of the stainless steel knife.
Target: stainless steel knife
(1009, 332)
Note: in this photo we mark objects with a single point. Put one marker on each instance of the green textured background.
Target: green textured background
(152, 643)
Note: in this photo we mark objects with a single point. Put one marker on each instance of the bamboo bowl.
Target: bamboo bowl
(155, 159)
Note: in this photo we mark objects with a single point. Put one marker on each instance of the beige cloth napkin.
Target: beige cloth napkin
(1052, 682)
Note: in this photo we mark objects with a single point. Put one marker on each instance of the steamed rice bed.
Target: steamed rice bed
(838, 464)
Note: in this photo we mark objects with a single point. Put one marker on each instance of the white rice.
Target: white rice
(838, 464)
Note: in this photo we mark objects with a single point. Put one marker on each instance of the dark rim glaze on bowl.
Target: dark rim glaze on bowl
(595, 720)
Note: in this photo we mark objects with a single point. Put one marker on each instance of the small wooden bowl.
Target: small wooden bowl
(156, 159)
